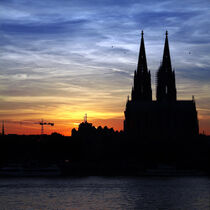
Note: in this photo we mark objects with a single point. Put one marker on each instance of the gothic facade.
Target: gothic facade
(166, 117)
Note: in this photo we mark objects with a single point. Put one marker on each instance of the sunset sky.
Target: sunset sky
(60, 59)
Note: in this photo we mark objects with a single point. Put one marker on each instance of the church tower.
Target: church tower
(165, 118)
(141, 90)
(166, 87)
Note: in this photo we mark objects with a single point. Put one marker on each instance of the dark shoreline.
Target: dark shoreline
(103, 154)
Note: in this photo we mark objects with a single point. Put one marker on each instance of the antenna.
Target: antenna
(2, 128)
(85, 118)
(42, 127)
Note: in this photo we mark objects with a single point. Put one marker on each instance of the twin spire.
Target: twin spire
(142, 90)
(142, 62)
(166, 55)
(166, 87)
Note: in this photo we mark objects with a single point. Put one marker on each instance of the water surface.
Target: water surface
(105, 193)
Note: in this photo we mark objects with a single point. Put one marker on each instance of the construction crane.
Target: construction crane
(26, 122)
(42, 123)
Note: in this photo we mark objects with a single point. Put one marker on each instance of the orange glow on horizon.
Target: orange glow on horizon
(66, 118)
(65, 127)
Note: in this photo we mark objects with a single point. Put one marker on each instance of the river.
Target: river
(105, 193)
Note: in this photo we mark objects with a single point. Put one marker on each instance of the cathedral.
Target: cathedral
(163, 118)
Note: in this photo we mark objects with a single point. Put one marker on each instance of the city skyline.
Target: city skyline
(62, 60)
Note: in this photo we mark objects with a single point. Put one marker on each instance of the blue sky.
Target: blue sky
(72, 57)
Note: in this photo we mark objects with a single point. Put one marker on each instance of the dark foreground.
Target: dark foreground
(102, 152)
(105, 193)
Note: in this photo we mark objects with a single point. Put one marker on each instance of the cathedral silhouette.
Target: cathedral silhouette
(165, 118)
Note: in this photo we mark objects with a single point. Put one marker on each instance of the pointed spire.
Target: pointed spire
(142, 80)
(142, 62)
(166, 55)
(166, 86)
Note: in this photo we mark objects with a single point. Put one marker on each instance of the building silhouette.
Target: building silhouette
(166, 117)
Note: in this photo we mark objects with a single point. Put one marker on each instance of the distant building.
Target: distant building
(165, 118)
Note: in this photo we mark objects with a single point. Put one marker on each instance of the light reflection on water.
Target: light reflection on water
(105, 193)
